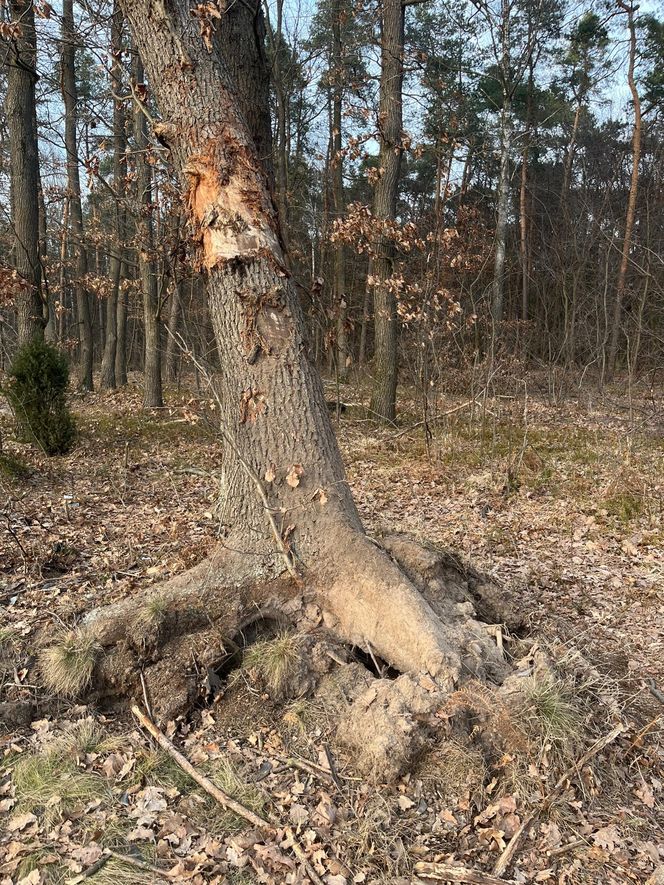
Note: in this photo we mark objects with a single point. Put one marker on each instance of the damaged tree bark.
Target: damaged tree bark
(286, 505)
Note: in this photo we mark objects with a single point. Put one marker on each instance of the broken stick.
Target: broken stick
(221, 797)
(204, 782)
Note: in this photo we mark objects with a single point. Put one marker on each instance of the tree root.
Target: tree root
(412, 607)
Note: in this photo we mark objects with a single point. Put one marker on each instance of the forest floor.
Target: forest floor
(563, 505)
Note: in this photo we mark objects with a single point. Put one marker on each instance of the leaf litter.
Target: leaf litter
(565, 512)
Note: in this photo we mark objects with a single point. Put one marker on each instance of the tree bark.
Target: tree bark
(630, 218)
(108, 379)
(503, 194)
(20, 107)
(336, 161)
(383, 395)
(285, 502)
(152, 387)
(70, 99)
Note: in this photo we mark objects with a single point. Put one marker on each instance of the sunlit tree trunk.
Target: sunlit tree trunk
(383, 395)
(70, 99)
(108, 379)
(281, 455)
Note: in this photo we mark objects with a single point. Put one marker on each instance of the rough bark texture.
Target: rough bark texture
(340, 302)
(24, 168)
(285, 498)
(383, 395)
(70, 99)
(108, 380)
(630, 217)
(282, 145)
(152, 389)
(240, 38)
(503, 194)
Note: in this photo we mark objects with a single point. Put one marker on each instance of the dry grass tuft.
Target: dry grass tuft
(154, 611)
(67, 665)
(51, 784)
(551, 708)
(275, 661)
(115, 872)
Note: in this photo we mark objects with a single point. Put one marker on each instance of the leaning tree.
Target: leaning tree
(289, 516)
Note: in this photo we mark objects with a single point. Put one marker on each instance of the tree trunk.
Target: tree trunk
(152, 389)
(336, 161)
(47, 297)
(503, 194)
(70, 99)
(633, 192)
(383, 395)
(108, 379)
(20, 108)
(172, 349)
(285, 502)
(281, 147)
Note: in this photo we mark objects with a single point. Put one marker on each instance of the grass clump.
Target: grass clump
(226, 776)
(67, 665)
(36, 391)
(50, 784)
(157, 768)
(275, 661)
(624, 506)
(551, 706)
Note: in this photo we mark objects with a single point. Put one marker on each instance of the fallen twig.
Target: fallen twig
(454, 873)
(219, 795)
(204, 782)
(508, 854)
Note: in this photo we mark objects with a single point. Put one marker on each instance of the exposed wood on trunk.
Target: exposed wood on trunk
(273, 412)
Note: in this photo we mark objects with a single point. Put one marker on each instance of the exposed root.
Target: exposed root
(419, 618)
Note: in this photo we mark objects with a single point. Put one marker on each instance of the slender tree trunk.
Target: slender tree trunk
(503, 195)
(280, 447)
(108, 379)
(47, 296)
(366, 312)
(20, 108)
(569, 153)
(70, 99)
(172, 350)
(502, 217)
(523, 189)
(152, 390)
(281, 147)
(336, 161)
(383, 395)
(633, 192)
(62, 310)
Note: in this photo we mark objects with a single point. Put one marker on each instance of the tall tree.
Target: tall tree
(281, 455)
(70, 99)
(20, 108)
(390, 125)
(147, 262)
(629, 9)
(108, 377)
